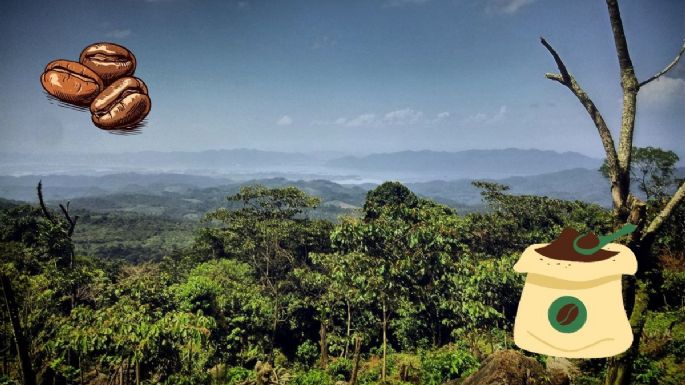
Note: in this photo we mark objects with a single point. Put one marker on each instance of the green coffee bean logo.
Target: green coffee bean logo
(567, 314)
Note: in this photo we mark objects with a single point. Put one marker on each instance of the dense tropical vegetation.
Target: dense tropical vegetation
(404, 291)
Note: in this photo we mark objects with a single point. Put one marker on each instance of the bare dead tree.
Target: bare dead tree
(627, 207)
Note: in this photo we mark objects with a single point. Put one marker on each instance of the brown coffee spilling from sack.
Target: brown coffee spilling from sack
(562, 248)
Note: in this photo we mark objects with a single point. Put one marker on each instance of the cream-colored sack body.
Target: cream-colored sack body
(573, 309)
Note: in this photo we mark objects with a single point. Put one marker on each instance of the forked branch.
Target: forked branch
(668, 67)
(71, 220)
(65, 210)
(565, 78)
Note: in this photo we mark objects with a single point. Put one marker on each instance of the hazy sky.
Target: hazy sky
(353, 76)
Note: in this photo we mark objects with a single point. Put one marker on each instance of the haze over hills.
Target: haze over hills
(199, 180)
(205, 193)
(242, 164)
(469, 164)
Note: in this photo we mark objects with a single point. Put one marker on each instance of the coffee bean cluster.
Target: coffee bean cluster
(103, 81)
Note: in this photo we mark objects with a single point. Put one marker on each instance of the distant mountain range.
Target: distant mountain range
(181, 195)
(242, 164)
(576, 184)
(468, 164)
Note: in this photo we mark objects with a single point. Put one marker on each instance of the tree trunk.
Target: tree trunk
(80, 369)
(349, 328)
(137, 372)
(19, 338)
(357, 355)
(324, 346)
(121, 373)
(620, 367)
(274, 327)
(385, 341)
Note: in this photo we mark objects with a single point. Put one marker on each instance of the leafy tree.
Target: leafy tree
(272, 234)
(388, 196)
(339, 294)
(516, 221)
(652, 170)
(402, 253)
(226, 291)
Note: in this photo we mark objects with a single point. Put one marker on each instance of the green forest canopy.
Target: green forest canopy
(408, 278)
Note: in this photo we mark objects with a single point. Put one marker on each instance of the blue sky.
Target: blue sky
(350, 76)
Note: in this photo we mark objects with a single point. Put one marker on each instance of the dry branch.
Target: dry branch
(620, 42)
(668, 67)
(46, 213)
(656, 223)
(70, 220)
(565, 78)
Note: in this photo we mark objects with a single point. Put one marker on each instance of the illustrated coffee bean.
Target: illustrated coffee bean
(109, 60)
(71, 82)
(567, 314)
(123, 104)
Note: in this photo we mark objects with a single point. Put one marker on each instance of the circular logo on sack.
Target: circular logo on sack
(567, 314)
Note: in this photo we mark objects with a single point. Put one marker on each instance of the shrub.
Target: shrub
(312, 377)
(236, 375)
(446, 364)
(4, 380)
(307, 353)
(370, 377)
(340, 369)
(407, 367)
(647, 371)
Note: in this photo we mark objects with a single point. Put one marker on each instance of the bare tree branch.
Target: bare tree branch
(555, 77)
(656, 223)
(668, 67)
(565, 78)
(46, 213)
(620, 42)
(72, 221)
(630, 86)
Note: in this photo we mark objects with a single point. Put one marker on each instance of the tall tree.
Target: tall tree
(402, 253)
(627, 208)
(270, 232)
(652, 170)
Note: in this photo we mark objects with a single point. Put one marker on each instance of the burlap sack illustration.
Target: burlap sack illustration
(571, 305)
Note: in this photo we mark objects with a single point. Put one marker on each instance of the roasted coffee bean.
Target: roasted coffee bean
(123, 104)
(567, 314)
(71, 82)
(109, 60)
